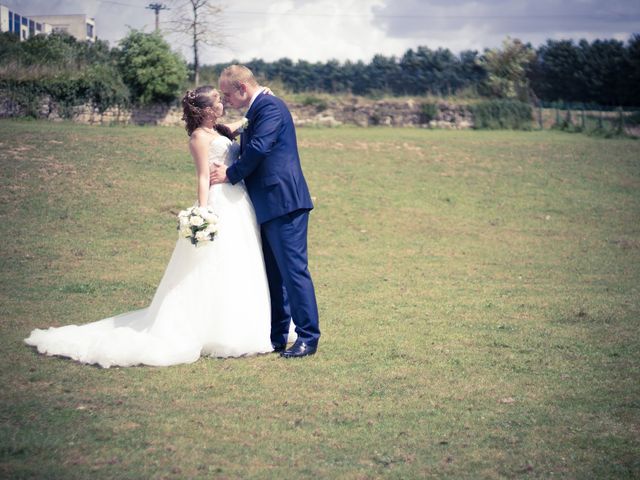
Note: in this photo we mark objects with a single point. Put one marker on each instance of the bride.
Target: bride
(213, 299)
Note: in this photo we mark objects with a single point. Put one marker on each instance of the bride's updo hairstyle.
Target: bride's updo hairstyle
(198, 106)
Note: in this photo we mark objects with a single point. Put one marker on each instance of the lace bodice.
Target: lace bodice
(223, 150)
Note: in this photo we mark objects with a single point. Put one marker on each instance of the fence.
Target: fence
(588, 118)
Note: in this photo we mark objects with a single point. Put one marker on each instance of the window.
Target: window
(25, 21)
(10, 21)
(38, 27)
(32, 27)
(16, 23)
(89, 30)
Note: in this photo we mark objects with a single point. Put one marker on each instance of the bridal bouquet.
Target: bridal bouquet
(198, 224)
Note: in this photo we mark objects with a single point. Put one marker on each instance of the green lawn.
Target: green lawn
(479, 295)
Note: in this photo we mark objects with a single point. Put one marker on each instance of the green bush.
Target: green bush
(104, 87)
(502, 114)
(320, 103)
(150, 69)
(428, 112)
(10, 47)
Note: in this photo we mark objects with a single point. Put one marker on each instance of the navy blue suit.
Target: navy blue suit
(269, 164)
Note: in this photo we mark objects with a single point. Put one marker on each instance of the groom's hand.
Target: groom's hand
(218, 174)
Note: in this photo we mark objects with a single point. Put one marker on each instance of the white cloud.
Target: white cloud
(312, 31)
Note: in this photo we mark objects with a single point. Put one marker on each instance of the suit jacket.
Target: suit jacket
(269, 163)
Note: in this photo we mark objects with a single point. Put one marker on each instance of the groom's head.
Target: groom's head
(237, 85)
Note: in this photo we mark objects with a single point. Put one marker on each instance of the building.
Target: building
(22, 26)
(80, 26)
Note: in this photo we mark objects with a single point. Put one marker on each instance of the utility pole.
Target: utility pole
(156, 7)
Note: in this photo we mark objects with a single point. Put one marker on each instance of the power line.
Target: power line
(587, 16)
(121, 4)
(437, 16)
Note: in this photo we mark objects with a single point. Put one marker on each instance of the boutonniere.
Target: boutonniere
(244, 125)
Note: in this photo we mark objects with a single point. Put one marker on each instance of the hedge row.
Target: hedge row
(98, 85)
(502, 114)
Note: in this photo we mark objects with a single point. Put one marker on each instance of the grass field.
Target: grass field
(479, 295)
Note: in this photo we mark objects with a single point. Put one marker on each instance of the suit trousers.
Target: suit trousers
(284, 244)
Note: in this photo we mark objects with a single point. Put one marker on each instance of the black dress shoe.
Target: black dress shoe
(279, 347)
(299, 349)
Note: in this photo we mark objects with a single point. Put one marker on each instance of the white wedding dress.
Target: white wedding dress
(212, 300)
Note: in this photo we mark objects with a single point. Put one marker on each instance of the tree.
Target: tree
(150, 69)
(605, 62)
(470, 72)
(440, 67)
(357, 77)
(412, 74)
(385, 71)
(598, 72)
(632, 78)
(199, 21)
(507, 69)
(558, 73)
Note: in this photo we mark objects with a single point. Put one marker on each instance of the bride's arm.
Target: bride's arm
(199, 148)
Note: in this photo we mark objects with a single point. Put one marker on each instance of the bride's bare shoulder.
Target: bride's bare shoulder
(200, 136)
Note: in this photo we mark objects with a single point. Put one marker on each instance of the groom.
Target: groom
(270, 167)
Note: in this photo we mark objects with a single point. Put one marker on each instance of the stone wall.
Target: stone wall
(87, 114)
(314, 112)
(392, 113)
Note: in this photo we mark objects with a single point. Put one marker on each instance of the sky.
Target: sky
(320, 30)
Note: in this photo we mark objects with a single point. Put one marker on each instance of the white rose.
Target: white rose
(202, 235)
(183, 214)
(196, 220)
(205, 212)
(185, 232)
(209, 216)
